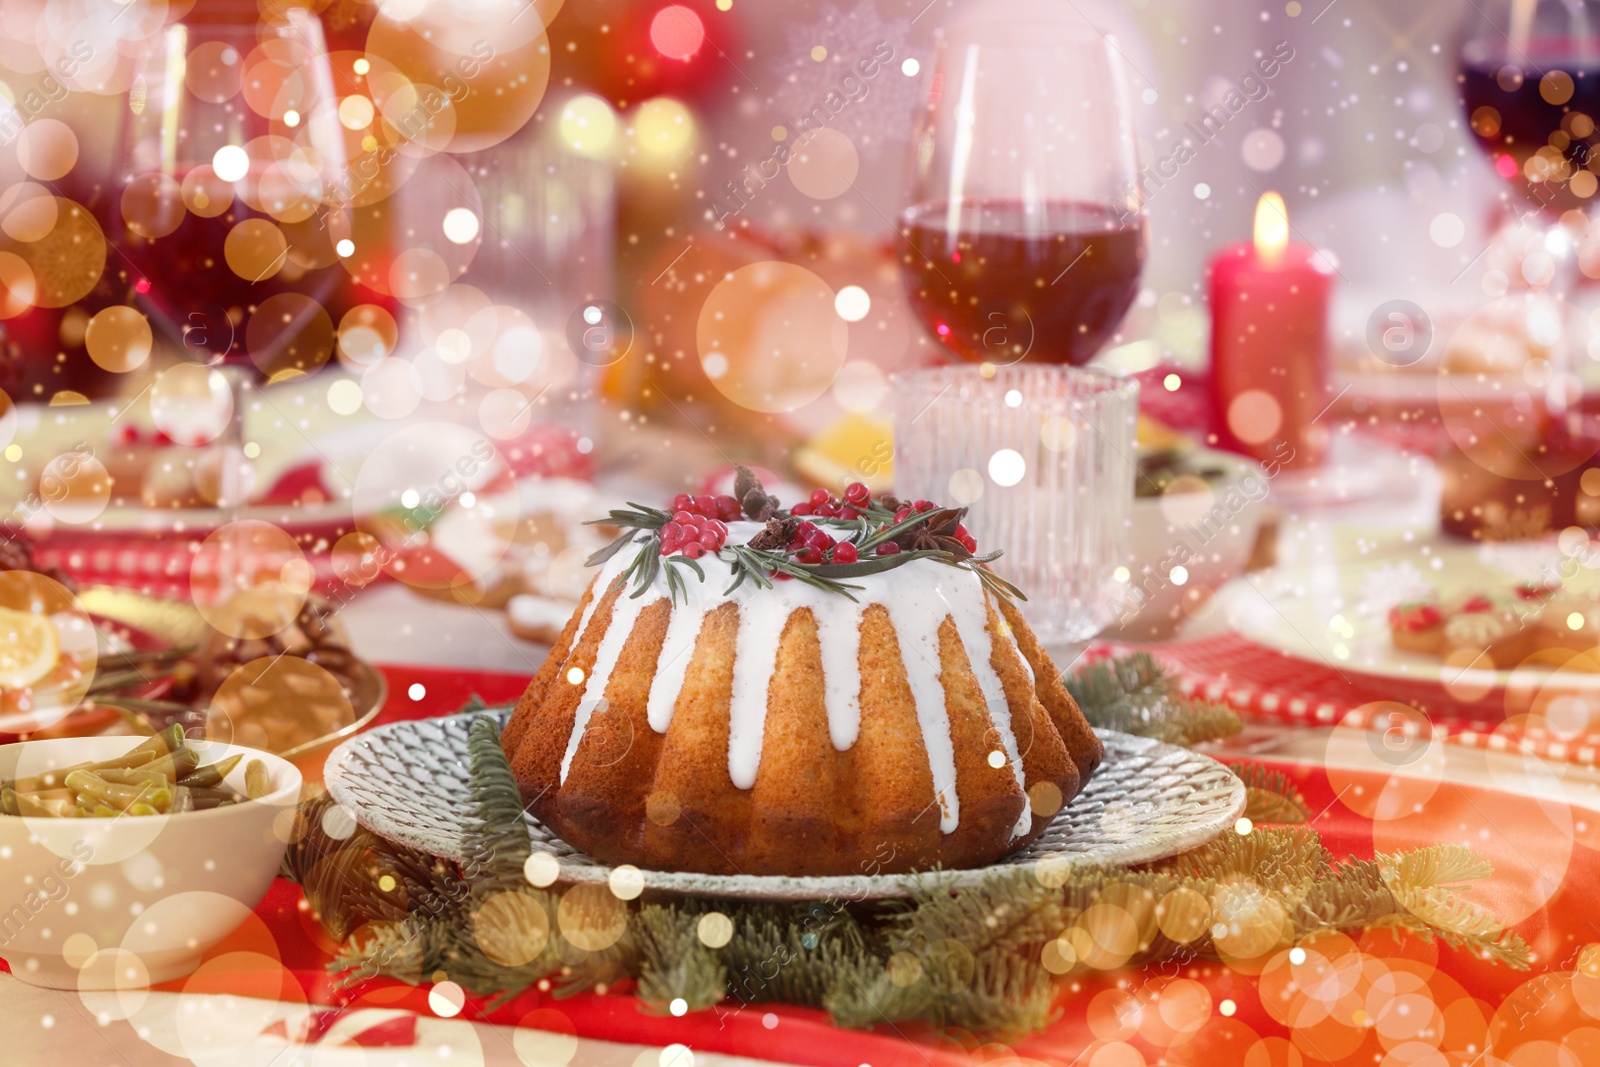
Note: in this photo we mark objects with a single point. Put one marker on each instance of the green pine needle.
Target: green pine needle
(1134, 694)
(1271, 796)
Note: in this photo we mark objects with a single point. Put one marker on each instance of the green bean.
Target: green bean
(168, 740)
(257, 783)
(212, 792)
(162, 775)
(28, 804)
(176, 764)
(134, 777)
(213, 773)
(87, 783)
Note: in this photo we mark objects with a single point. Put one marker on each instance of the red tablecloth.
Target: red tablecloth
(1404, 999)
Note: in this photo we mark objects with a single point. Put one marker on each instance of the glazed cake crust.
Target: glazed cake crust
(612, 782)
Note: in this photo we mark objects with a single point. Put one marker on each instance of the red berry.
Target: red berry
(800, 509)
(845, 553)
(727, 508)
(923, 506)
(848, 512)
(961, 530)
(857, 493)
(888, 548)
(820, 497)
(968, 542)
(805, 530)
(672, 529)
(682, 518)
(811, 555)
(902, 515)
(828, 511)
(721, 528)
(782, 577)
(818, 539)
(694, 550)
(710, 540)
(681, 502)
(706, 505)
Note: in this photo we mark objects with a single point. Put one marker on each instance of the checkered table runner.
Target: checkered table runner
(1264, 684)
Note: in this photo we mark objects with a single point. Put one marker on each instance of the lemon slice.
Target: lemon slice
(29, 649)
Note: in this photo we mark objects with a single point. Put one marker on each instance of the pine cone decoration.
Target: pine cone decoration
(16, 554)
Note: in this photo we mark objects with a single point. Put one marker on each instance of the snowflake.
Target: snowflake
(1391, 584)
(882, 106)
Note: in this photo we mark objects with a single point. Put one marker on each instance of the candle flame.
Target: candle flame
(1272, 228)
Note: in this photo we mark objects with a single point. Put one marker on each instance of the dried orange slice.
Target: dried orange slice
(29, 648)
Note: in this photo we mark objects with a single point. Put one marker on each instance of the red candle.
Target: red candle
(1269, 350)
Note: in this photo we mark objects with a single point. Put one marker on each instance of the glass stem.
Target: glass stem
(231, 486)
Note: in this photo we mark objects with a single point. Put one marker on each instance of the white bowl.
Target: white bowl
(121, 903)
(1208, 533)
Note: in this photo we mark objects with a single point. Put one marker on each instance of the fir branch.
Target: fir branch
(968, 960)
(1449, 866)
(1002, 914)
(674, 963)
(1134, 694)
(1271, 796)
(1280, 858)
(499, 846)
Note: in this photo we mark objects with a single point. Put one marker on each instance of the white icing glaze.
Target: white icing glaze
(624, 613)
(919, 596)
(683, 630)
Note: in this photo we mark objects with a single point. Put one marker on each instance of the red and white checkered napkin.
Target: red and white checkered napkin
(1264, 684)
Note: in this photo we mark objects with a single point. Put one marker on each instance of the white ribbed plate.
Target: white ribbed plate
(407, 781)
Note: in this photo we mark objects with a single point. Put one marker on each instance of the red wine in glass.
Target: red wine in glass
(187, 283)
(999, 281)
(1537, 126)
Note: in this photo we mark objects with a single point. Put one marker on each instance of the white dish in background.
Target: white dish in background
(123, 903)
(1336, 615)
(1216, 526)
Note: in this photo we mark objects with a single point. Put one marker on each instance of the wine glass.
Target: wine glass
(1024, 239)
(1024, 226)
(1530, 88)
(230, 211)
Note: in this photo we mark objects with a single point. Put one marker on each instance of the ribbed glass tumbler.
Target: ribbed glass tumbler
(1044, 455)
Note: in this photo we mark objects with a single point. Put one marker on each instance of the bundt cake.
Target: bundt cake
(841, 688)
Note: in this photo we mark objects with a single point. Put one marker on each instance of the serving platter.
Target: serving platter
(408, 782)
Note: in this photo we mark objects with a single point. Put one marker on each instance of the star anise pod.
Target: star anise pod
(753, 498)
(777, 535)
(936, 534)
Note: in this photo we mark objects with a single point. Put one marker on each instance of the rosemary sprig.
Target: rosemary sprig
(874, 526)
(757, 564)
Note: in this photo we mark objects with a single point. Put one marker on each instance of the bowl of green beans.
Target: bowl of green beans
(124, 861)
